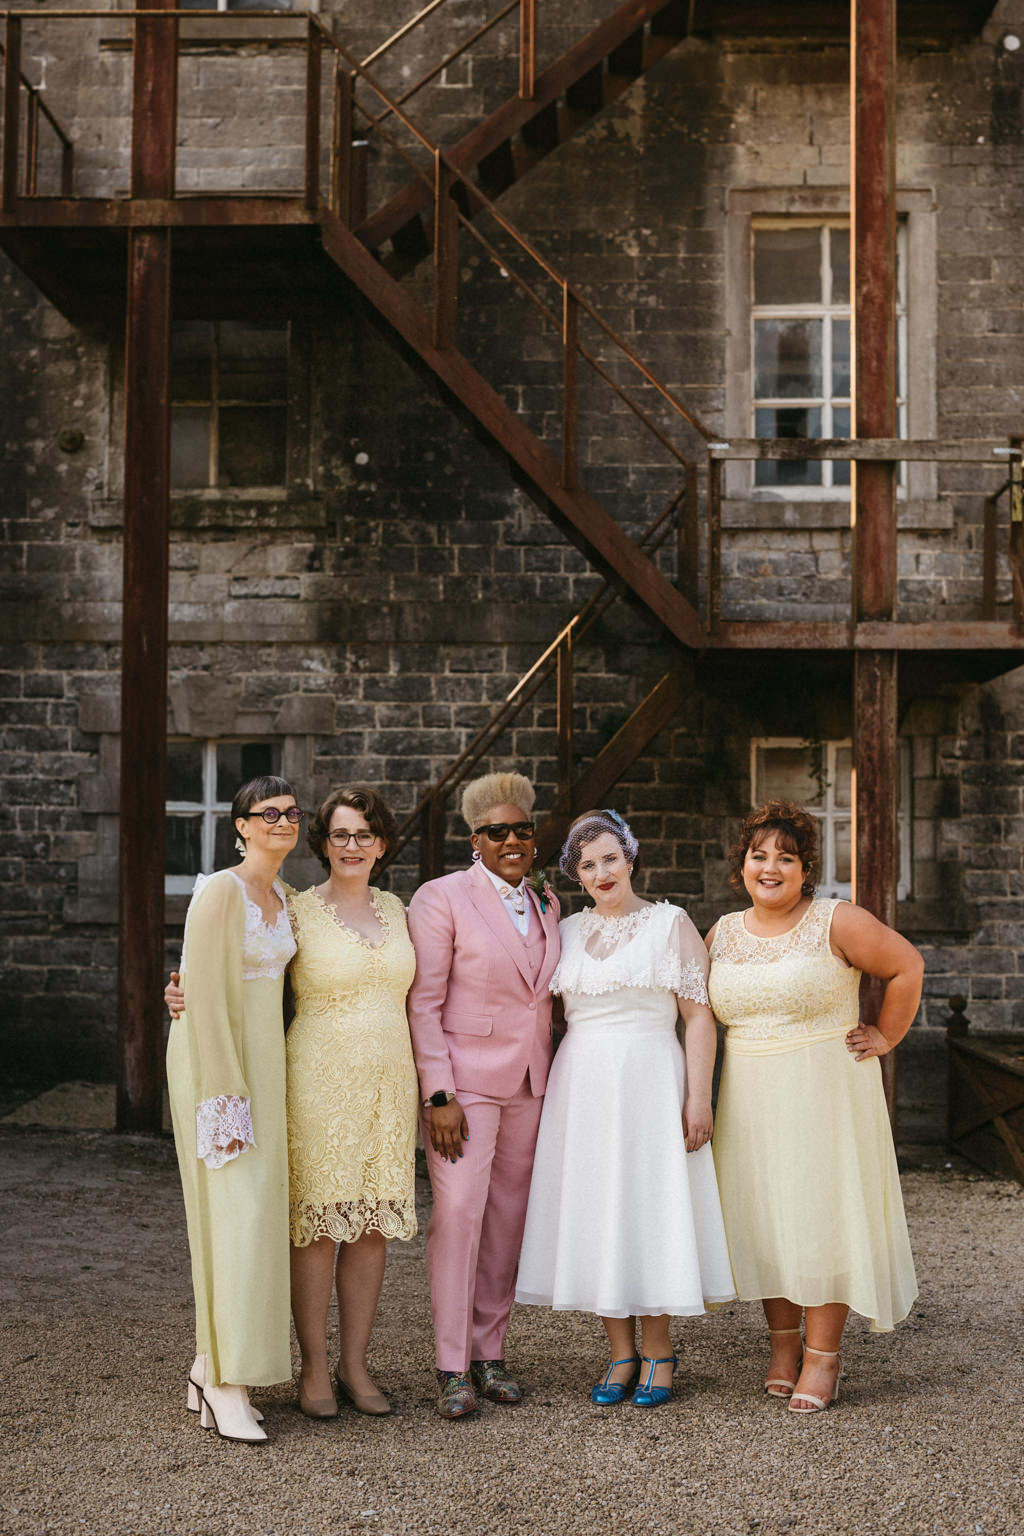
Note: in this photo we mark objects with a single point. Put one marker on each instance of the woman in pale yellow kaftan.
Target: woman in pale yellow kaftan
(226, 1076)
(803, 1150)
(352, 1096)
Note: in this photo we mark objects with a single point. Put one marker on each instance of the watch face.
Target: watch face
(439, 1099)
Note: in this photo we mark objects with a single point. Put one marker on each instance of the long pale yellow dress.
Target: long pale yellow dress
(803, 1150)
(352, 1086)
(226, 1076)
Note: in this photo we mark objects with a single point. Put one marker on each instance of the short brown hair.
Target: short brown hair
(267, 787)
(358, 797)
(797, 832)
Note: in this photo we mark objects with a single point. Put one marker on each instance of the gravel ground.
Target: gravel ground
(97, 1335)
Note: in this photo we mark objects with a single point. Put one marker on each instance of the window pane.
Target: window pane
(841, 428)
(251, 445)
(240, 761)
(839, 252)
(787, 359)
(225, 854)
(253, 361)
(844, 862)
(784, 773)
(185, 771)
(787, 421)
(190, 446)
(841, 787)
(787, 266)
(840, 359)
(192, 361)
(183, 844)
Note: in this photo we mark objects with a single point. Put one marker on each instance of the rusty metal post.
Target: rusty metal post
(873, 496)
(990, 533)
(32, 144)
(527, 48)
(446, 255)
(144, 601)
(570, 386)
(1015, 543)
(432, 829)
(12, 113)
(340, 185)
(314, 71)
(154, 103)
(144, 681)
(687, 515)
(714, 576)
(564, 722)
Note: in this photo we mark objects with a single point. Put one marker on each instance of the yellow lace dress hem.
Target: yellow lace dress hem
(352, 1087)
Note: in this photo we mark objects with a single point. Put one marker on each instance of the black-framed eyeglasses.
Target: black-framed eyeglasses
(498, 831)
(272, 815)
(362, 839)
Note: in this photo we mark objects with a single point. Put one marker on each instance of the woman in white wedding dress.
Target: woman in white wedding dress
(624, 1218)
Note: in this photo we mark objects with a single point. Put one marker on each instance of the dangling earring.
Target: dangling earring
(240, 845)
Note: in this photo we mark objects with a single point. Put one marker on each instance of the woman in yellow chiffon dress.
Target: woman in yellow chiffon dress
(803, 1149)
(226, 1078)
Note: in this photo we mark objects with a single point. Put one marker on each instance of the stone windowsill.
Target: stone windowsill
(224, 510)
(766, 510)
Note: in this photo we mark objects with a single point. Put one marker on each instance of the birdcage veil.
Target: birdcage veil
(589, 827)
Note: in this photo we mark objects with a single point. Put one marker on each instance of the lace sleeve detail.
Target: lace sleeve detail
(219, 1122)
(657, 948)
(686, 962)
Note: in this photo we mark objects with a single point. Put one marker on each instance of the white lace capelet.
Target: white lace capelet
(657, 948)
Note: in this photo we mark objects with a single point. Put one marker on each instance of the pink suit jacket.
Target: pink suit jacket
(478, 1021)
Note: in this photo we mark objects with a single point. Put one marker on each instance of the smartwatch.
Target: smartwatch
(440, 1098)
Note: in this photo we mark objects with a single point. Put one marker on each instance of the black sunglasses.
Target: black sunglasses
(498, 831)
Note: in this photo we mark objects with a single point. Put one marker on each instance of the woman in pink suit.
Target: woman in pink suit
(480, 1017)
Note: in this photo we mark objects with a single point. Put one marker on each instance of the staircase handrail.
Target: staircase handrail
(479, 200)
(531, 681)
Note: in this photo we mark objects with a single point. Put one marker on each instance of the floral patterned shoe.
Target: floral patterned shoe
(493, 1381)
(457, 1397)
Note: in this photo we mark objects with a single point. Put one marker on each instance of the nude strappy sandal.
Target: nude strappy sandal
(818, 1403)
(788, 1387)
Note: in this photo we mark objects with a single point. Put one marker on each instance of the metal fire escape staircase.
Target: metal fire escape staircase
(140, 250)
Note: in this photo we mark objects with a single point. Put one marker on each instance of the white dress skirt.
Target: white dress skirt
(622, 1220)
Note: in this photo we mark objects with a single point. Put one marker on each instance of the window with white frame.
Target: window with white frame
(817, 775)
(229, 405)
(202, 777)
(800, 345)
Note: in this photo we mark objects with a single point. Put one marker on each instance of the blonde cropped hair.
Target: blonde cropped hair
(480, 795)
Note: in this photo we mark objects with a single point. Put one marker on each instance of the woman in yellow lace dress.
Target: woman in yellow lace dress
(352, 1096)
(803, 1150)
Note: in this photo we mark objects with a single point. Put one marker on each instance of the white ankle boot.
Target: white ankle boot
(196, 1383)
(227, 1410)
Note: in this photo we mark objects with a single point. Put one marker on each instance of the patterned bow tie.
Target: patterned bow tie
(517, 896)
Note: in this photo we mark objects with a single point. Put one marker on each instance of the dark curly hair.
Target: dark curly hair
(358, 797)
(797, 833)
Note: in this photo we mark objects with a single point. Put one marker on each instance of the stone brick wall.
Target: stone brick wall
(371, 618)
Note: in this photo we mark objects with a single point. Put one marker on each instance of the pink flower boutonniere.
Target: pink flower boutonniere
(541, 888)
